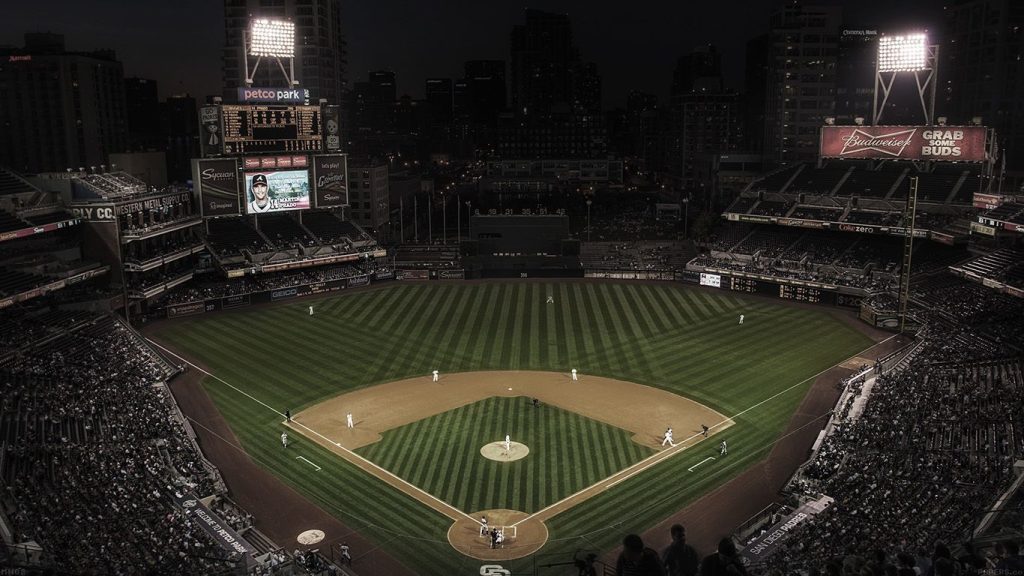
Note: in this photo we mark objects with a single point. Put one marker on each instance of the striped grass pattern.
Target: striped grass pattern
(673, 337)
(573, 449)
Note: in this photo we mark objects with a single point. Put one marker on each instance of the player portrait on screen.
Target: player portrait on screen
(260, 191)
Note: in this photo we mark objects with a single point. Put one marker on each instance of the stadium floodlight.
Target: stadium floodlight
(274, 38)
(904, 53)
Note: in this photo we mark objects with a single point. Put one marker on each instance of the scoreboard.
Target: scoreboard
(271, 128)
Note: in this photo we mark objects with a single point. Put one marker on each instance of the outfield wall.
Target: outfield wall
(784, 289)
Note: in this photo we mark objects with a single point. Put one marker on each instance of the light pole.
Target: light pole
(469, 203)
(444, 220)
(589, 202)
(458, 212)
(686, 218)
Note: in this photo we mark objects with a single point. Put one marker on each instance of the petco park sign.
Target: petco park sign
(954, 143)
(274, 95)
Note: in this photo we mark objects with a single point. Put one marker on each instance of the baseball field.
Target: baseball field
(425, 459)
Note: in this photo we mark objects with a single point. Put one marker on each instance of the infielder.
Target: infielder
(348, 420)
(310, 310)
(574, 377)
(741, 318)
(436, 376)
(508, 443)
(723, 449)
(483, 526)
(668, 438)
(284, 439)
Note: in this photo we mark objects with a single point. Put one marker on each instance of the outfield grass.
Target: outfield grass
(669, 336)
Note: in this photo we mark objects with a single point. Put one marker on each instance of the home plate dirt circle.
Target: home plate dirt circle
(496, 451)
(530, 535)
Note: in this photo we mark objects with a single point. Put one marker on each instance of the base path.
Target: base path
(642, 410)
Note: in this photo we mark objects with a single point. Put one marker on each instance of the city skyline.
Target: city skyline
(182, 52)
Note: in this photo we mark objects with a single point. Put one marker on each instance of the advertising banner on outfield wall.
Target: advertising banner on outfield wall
(951, 143)
(217, 185)
(359, 281)
(330, 180)
(451, 274)
(412, 274)
(234, 301)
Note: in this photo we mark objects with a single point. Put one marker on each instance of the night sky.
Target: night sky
(634, 43)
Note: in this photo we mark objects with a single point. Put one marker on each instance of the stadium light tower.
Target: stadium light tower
(270, 38)
(906, 54)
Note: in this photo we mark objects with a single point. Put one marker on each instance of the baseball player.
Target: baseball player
(508, 443)
(723, 449)
(668, 438)
(483, 526)
(310, 310)
(704, 430)
(348, 420)
(437, 376)
(741, 319)
(284, 439)
(574, 377)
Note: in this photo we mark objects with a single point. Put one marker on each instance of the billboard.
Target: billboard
(710, 280)
(330, 177)
(950, 143)
(210, 131)
(217, 184)
(276, 191)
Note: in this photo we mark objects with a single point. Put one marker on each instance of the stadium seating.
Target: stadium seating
(934, 446)
(283, 231)
(94, 447)
(228, 236)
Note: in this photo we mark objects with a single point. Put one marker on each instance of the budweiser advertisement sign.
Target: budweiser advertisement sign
(951, 143)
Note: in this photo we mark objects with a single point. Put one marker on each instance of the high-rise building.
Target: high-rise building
(981, 69)
(855, 74)
(142, 106)
(181, 135)
(791, 77)
(556, 97)
(369, 203)
(59, 109)
(485, 82)
(546, 67)
(705, 119)
(438, 93)
(320, 48)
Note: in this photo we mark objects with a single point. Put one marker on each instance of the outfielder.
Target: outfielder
(741, 318)
(310, 310)
(284, 439)
(723, 449)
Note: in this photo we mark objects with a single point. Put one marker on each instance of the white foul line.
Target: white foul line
(310, 463)
(699, 463)
(650, 460)
(441, 503)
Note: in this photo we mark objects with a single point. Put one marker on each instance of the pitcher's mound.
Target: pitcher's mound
(496, 451)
